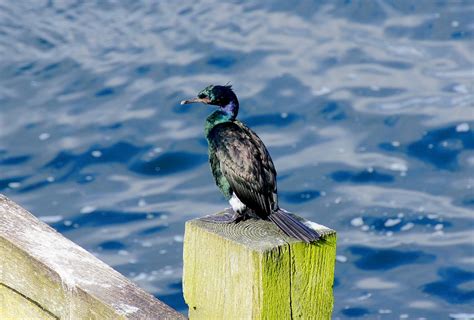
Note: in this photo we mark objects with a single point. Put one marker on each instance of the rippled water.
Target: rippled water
(366, 108)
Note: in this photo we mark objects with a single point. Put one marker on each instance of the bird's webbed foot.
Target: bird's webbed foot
(227, 216)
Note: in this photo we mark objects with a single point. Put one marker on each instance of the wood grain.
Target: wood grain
(39, 267)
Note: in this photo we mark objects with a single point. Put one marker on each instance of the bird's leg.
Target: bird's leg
(227, 216)
(246, 214)
(237, 212)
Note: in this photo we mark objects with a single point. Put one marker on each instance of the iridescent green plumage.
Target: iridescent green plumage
(241, 165)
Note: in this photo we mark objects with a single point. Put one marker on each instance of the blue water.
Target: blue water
(367, 108)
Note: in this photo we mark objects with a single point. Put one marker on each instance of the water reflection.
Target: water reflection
(366, 110)
(383, 259)
(449, 287)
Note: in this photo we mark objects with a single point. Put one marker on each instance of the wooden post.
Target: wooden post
(251, 270)
(46, 276)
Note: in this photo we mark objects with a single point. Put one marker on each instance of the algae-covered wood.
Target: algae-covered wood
(43, 273)
(251, 270)
(26, 309)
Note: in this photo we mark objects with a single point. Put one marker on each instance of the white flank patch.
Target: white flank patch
(236, 204)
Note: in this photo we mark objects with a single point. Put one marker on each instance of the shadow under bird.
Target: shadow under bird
(242, 167)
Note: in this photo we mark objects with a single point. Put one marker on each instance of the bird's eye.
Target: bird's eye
(201, 95)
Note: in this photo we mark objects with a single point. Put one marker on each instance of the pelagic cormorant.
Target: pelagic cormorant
(242, 167)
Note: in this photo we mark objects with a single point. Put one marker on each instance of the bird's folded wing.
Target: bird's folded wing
(251, 178)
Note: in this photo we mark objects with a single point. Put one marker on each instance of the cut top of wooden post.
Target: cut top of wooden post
(259, 235)
(251, 270)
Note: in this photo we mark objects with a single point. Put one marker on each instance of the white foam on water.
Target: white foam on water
(392, 222)
(462, 127)
(357, 222)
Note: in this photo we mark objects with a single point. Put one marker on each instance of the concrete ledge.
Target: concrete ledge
(46, 276)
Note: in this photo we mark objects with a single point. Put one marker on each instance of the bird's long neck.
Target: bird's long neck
(231, 109)
(227, 113)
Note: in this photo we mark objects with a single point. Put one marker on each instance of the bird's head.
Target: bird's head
(221, 96)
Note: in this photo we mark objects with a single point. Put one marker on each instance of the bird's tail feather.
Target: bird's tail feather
(293, 227)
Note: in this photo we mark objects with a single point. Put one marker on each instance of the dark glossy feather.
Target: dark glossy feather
(245, 163)
(293, 227)
(241, 164)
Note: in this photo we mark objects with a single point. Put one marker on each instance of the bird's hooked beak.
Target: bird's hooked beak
(196, 100)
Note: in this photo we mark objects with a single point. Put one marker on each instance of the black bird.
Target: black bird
(242, 167)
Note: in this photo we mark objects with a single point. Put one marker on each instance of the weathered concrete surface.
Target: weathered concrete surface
(48, 276)
(251, 270)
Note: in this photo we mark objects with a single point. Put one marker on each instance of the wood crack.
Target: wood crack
(290, 261)
(30, 300)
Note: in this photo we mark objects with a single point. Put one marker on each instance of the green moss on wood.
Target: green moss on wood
(14, 305)
(250, 270)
